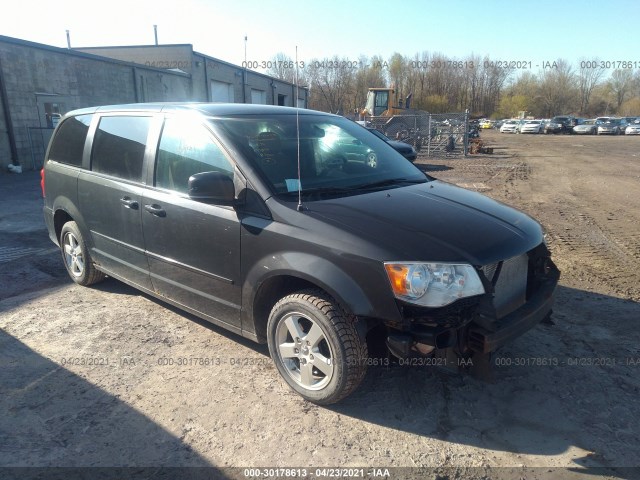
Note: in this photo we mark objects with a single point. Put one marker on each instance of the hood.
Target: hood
(400, 146)
(433, 221)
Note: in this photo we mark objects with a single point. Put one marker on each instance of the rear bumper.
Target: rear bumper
(519, 321)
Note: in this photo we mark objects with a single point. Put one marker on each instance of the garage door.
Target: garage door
(222, 92)
(258, 97)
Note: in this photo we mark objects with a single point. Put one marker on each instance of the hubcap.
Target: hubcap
(304, 351)
(73, 254)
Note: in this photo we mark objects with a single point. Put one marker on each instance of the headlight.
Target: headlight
(433, 284)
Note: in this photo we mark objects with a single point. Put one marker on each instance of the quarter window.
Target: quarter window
(68, 144)
(119, 145)
(186, 149)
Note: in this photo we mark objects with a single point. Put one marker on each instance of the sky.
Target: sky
(532, 32)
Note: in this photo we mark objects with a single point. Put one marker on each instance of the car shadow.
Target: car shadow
(570, 385)
(54, 424)
(552, 389)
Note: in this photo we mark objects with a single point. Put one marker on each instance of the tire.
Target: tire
(76, 256)
(315, 347)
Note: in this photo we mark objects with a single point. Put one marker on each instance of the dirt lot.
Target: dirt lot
(83, 379)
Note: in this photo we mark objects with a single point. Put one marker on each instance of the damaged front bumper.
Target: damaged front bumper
(484, 324)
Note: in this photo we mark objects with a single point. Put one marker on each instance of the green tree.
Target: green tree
(510, 105)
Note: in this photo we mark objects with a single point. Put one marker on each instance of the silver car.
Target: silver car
(633, 129)
(589, 127)
(609, 127)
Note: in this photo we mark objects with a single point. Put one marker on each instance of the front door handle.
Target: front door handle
(156, 210)
(128, 202)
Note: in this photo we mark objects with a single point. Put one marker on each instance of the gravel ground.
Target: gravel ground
(97, 376)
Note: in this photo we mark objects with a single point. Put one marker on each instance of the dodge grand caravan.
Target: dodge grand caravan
(263, 220)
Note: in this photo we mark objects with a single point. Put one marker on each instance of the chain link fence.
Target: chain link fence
(432, 134)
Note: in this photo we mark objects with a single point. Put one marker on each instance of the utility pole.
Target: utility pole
(244, 73)
(155, 33)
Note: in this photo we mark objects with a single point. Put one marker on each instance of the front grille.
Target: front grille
(511, 286)
(490, 270)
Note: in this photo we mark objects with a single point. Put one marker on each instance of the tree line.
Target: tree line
(486, 87)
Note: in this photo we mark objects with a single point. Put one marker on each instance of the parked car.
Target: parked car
(499, 123)
(623, 123)
(609, 127)
(406, 150)
(485, 123)
(588, 127)
(509, 126)
(560, 124)
(531, 126)
(249, 217)
(633, 129)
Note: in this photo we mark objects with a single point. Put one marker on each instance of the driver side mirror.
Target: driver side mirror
(212, 187)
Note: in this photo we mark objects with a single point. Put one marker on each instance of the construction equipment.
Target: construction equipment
(401, 122)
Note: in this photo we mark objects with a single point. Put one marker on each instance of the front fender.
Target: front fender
(322, 273)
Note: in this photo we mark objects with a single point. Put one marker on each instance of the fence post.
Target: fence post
(429, 137)
(466, 132)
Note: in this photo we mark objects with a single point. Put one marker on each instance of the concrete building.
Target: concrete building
(39, 83)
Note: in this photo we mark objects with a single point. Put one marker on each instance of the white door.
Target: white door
(258, 97)
(222, 92)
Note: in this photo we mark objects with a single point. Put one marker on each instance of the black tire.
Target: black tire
(325, 359)
(76, 257)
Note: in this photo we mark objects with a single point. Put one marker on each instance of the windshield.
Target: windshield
(336, 155)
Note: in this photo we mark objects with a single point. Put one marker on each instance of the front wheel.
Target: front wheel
(76, 256)
(315, 347)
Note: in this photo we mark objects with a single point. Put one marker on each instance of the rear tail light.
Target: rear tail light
(42, 181)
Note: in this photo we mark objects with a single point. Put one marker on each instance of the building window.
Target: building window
(282, 100)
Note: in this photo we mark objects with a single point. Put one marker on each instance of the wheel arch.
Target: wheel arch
(65, 211)
(261, 292)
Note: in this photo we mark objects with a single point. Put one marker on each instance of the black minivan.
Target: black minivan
(267, 221)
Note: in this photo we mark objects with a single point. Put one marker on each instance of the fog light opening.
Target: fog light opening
(423, 348)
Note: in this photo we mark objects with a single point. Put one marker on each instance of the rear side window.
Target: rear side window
(186, 149)
(68, 144)
(118, 146)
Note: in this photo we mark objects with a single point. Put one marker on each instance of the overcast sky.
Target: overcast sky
(531, 31)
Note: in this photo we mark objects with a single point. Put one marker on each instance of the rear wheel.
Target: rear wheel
(76, 256)
(315, 347)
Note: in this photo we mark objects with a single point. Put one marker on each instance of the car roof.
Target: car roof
(207, 109)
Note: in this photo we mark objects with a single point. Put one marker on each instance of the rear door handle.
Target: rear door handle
(128, 202)
(156, 210)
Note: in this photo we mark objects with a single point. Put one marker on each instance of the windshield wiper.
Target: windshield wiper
(388, 182)
(332, 190)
